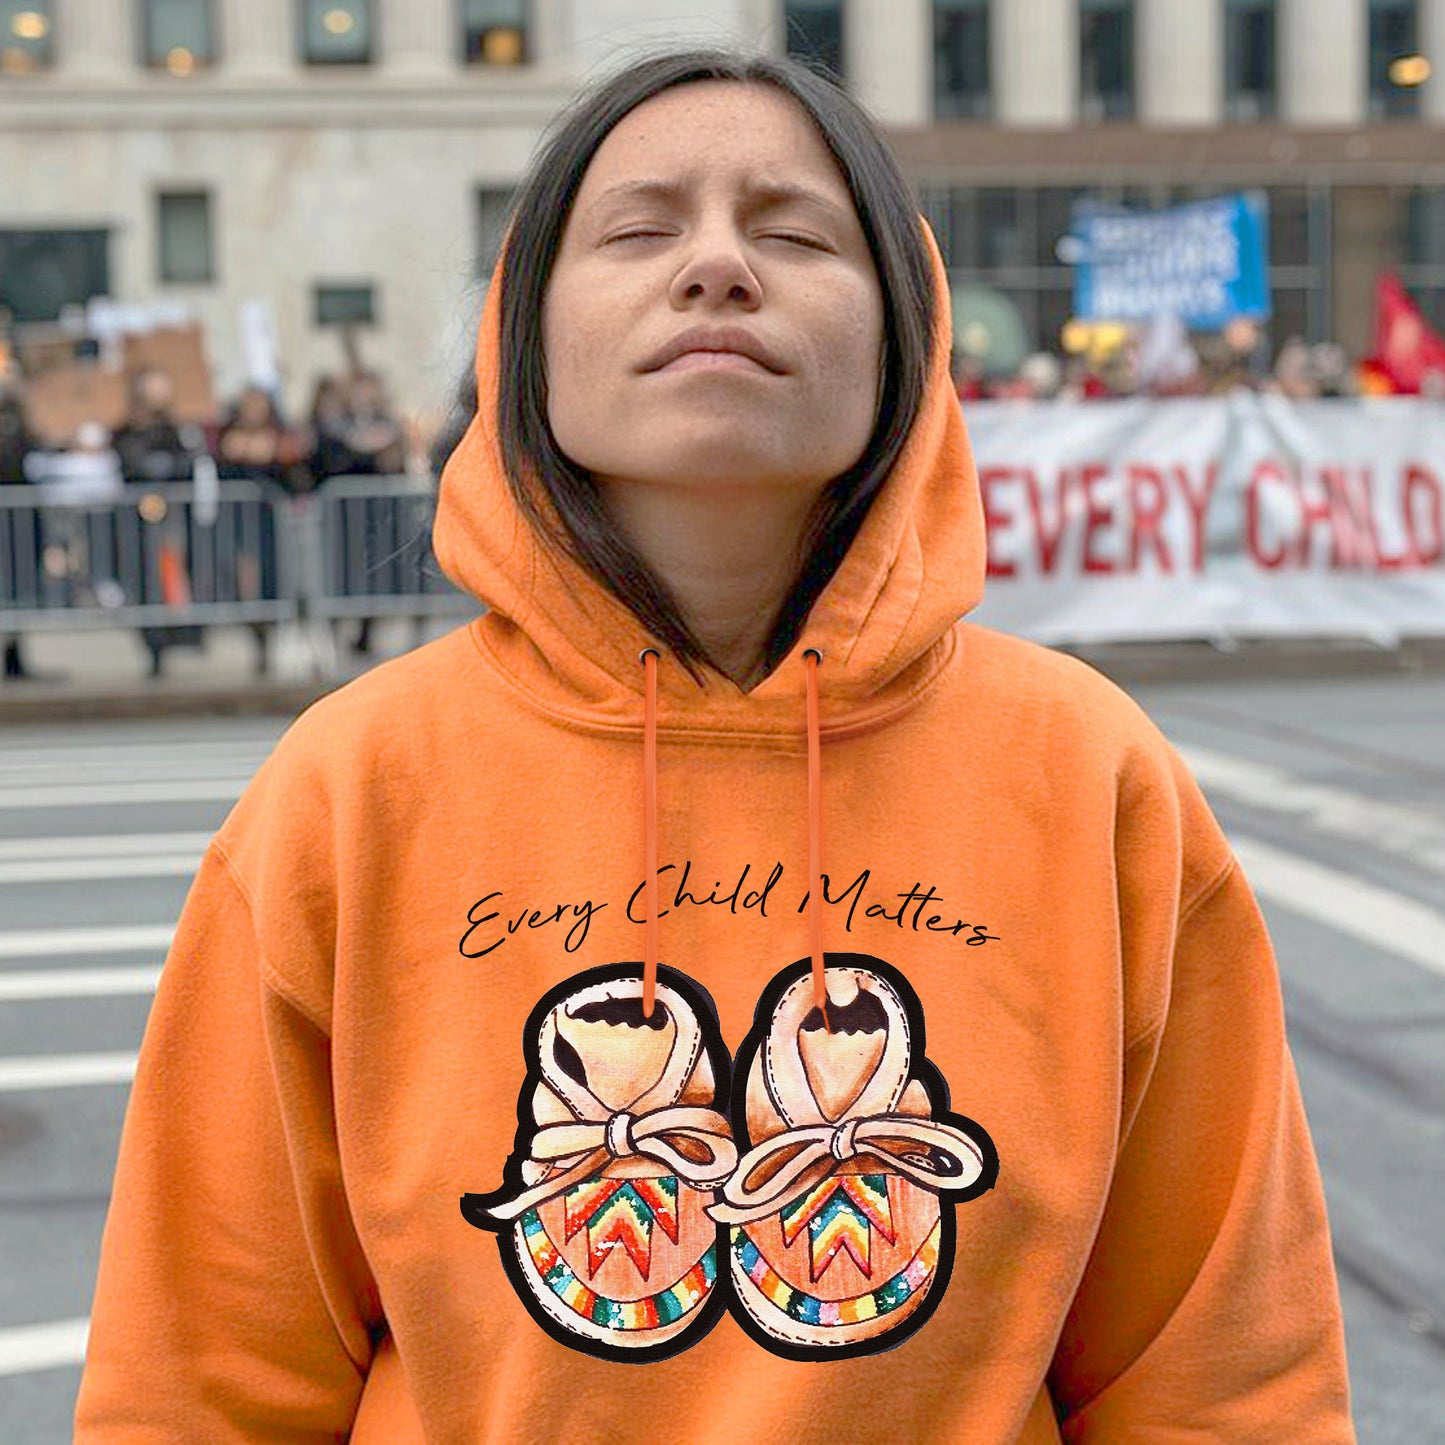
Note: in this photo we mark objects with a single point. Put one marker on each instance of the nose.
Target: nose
(716, 272)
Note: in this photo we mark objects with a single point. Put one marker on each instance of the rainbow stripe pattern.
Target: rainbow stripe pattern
(841, 1214)
(662, 1308)
(807, 1309)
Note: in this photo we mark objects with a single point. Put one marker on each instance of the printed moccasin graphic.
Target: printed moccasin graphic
(602, 1221)
(842, 1210)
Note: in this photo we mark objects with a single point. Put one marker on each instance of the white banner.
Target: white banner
(1231, 517)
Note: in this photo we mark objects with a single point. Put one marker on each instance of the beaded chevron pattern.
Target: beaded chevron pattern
(809, 1310)
(841, 1214)
(662, 1308)
(621, 1213)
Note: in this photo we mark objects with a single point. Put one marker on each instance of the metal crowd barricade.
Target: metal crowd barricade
(372, 545)
(237, 553)
(159, 555)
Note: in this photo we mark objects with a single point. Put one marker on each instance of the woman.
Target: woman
(155, 448)
(22, 552)
(255, 443)
(987, 1134)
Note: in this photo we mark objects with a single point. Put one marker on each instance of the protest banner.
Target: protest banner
(1231, 517)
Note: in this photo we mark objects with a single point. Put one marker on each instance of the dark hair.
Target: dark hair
(889, 217)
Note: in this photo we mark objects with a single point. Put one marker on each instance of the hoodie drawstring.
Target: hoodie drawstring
(649, 824)
(811, 658)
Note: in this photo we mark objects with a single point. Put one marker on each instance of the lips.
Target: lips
(719, 340)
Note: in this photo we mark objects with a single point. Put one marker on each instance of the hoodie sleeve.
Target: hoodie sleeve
(1209, 1309)
(233, 1302)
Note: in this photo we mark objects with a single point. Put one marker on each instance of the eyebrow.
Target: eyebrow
(765, 194)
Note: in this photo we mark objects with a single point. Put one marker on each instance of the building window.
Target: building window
(27, 29)
(1425, 229)
(1250, 87)
(345, 304)
(43, 272)
(1397, 69)
(494, 209)
(815, 32)
(960, 59)
(184, 229)
(1106, 59)
(494, 32)
(336, 32)
(178, 35)
(1424, 269)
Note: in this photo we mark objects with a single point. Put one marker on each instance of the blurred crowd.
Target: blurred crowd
(1162, 359)
(352, 429)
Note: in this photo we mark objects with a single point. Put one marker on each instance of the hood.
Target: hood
(915, 567)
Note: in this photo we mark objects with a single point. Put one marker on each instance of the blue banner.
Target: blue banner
(1205, 262)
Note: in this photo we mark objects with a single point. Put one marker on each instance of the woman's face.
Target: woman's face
(714, 315)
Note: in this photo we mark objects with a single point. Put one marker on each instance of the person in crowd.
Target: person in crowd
(969, 380)
(16, 439)
(374, 436)
(154, 447)
(329, 457)
(358, 434)
(16, 444)
(1039, 378)
(1293, 373)
(356, 431)
(718, 992)
(254, 442)
(1331, 370)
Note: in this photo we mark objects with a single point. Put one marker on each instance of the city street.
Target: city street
(1332, 791)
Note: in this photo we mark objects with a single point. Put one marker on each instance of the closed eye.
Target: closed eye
(792, 237)
(812, 242)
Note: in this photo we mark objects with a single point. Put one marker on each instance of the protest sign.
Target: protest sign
(1205, 262)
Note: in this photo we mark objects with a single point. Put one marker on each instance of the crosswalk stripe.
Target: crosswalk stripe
(1322, 807)
(101, 846)
(64, 1071)
(146, 790)
(31, 985)
(63, 942)
(19, 755)
(25, 1349)
(80, 870)
(52, 770)
(1377, 916)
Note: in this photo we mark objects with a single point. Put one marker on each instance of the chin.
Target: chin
(723, 452)
(718, 467)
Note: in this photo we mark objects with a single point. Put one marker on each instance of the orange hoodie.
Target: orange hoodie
(409, 1158)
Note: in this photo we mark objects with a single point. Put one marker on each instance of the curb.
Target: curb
(43, 704)
(1272, 661)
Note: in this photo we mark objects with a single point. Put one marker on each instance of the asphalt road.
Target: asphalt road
(1333, 793)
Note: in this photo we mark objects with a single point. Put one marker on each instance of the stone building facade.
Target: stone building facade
(350, 160)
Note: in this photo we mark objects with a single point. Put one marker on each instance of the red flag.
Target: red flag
(1407, 348)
